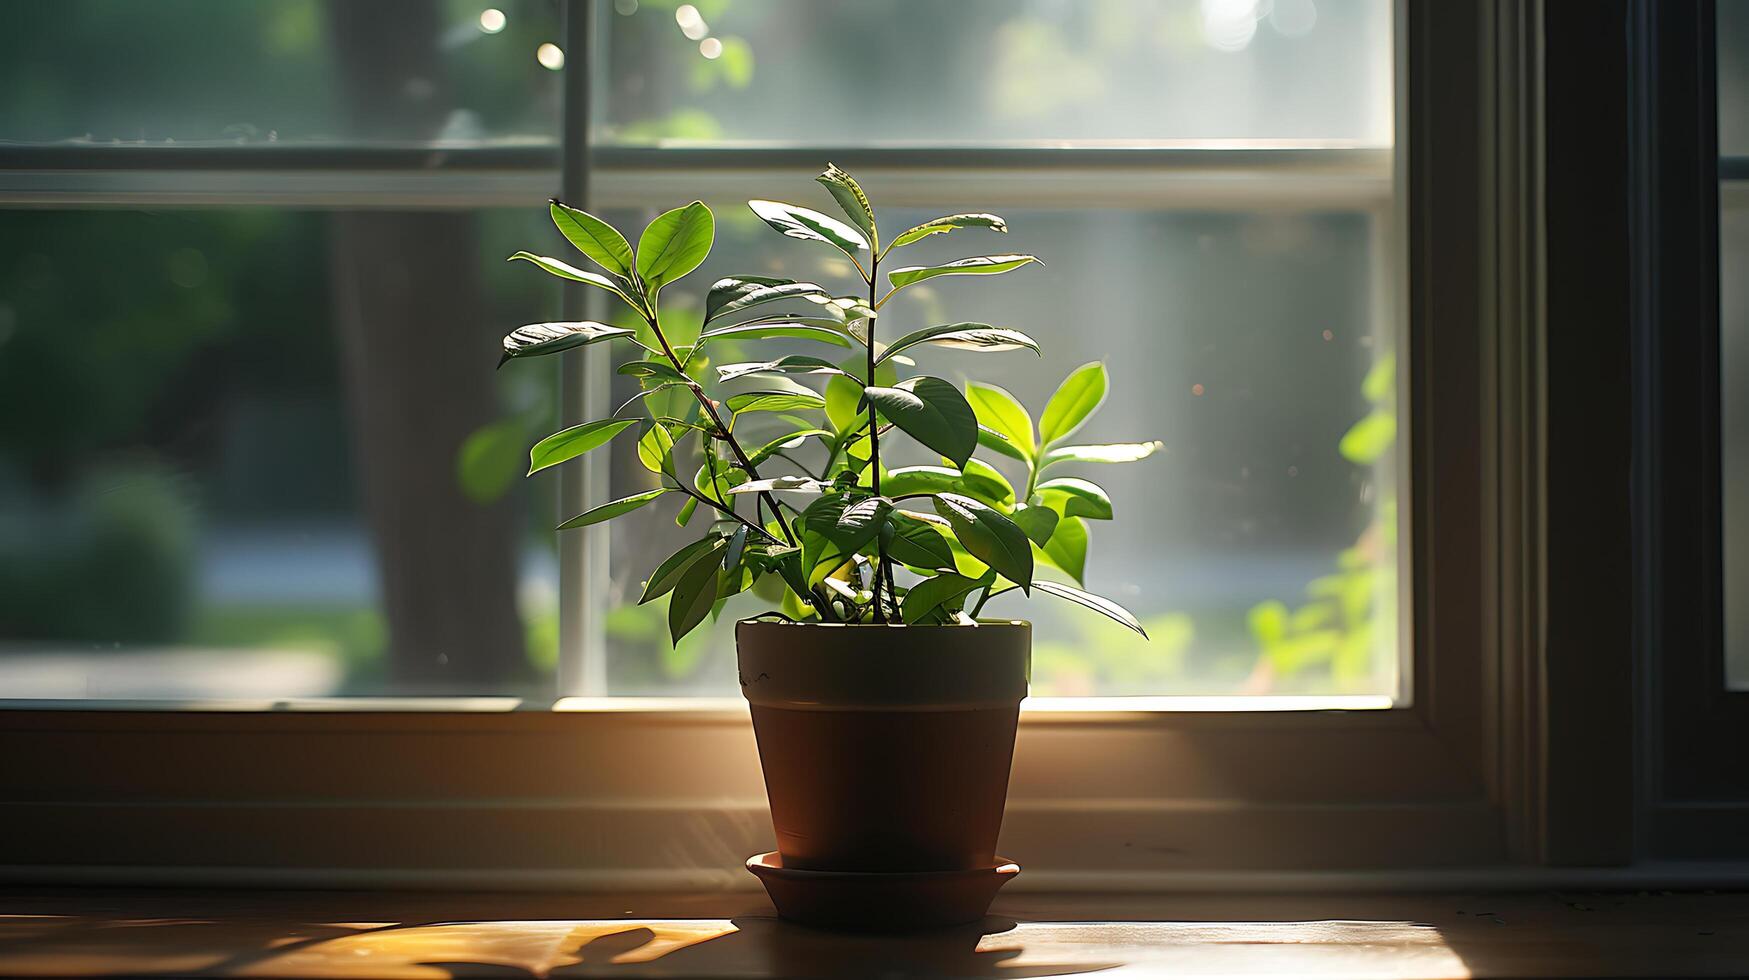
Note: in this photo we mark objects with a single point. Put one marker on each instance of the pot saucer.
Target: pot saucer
(869, 901)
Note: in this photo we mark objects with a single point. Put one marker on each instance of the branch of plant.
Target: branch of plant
(874, 440)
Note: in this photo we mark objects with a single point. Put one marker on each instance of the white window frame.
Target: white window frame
(616, 792)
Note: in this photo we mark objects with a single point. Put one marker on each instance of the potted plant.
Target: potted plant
(884, 708)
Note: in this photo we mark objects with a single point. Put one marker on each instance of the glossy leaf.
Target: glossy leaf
(1098, 604)
(1067, 548)
(735, 552)
(848, 193)
(1038, 523)
(675, 244)
(843, 394)
(977, 265)
(1080, 394)
(667, 574)
(988, 484)
(694, 594)
(774, 401)
(933, 412)
(964, 336)
(656, 449)
(570, 443)
(930, 594)
(652, 373)
(792, 441)
(1002, 412)
(1074, 497)
(791, 484)
(735, 294)
(996, 442)
(990, 537)
(787, 329)
(564, 270)
(808, 225)
(858, 523)
(612, 509)
(947, 223)
(536, 339)
(788, 364)
(595, 238)
(1116, 452)
(917, 543)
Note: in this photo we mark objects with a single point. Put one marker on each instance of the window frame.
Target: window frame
(628, 793)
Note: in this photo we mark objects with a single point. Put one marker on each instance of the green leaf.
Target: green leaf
(1073, 497)
(997, 442)
(652, 373)
(536, 339)
(774, 401)
(844, 394)
(1038, 523)
(1116, 452)
(907, 480)
(1098, 604)
(737, 546)
(918, 543)
(788, 329)
(574, 441)
(739, 293)
(988, 484)
(848, 193)
(991, 538)
(792, 484)
(947, 223)
(684, 515)
(930, 594)
(792, 441)
(674, 244)
(1003, 413)
(612, 509)
(1080, 394)
(594, 238)
(1067, 547)
(809, 226)
(964, 336)
(788, 364)
(858, 524)
(565, 271)
(977, 265)
(667, 575)
(694, 593)
(933, 412)
(656, 449)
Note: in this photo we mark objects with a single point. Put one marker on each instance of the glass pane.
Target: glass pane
(217, 72)
(981, 71)
(1259, 549)
(1733, 36)
(263, 454)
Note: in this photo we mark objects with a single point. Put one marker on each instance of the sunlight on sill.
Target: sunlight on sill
(1042, 709)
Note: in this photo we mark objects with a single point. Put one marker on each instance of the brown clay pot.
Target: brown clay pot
(886, 749)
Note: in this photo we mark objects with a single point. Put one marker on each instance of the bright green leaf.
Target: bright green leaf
(564, 270)
(808, 225)
(786, 329)
(1074, 497)
(978, 265)
(788, 364)
(594, 238)
(1080, 394)
(1067, 547)
(675, 244)
(964, 336)
(1117, 452)
(1098, 604)
(1038, 523)
(573, 442)
(1002, 412)
(918, 543)
(738, 293)
(848, 193)
(612, 509)
(933, 412)
(947, 223)
(930, 594)
(774, 401)
(536, 339)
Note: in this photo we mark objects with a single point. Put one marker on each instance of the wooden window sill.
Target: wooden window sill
(223, 933)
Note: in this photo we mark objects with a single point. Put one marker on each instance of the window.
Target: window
(1224, 235)
(1290, 249)
(1733, 102)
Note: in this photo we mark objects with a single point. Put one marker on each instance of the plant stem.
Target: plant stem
(710, 408)
(874, 438)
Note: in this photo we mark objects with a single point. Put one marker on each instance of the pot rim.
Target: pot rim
(999, 624)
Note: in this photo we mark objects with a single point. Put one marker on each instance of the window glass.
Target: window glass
(1259, 549)
(248, 453)
(215, 72)
(1733, 34)
(904, 72)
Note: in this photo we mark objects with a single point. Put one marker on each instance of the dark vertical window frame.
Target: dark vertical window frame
(1695, 788)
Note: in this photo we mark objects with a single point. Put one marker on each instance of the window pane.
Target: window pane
(976, 71)
(217, 72)
(1733, 36)
(263, 454)
(1259, 549)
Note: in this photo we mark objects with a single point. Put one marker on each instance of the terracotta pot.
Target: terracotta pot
(885, 748)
